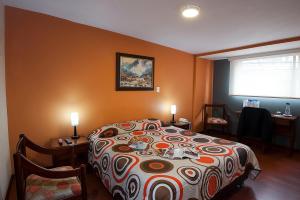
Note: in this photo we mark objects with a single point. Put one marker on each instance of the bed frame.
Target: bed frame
(237, 183)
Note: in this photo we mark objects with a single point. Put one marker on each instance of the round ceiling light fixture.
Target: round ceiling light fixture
(190, 11)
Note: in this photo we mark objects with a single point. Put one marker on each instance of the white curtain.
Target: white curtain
(269, 76)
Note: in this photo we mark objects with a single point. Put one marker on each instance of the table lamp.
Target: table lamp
(74, 123)
(173, 112)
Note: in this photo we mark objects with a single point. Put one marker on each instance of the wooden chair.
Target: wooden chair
(211, 121)
(36, 182)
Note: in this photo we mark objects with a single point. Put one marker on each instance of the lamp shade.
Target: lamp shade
(173, 109)
(74, 118)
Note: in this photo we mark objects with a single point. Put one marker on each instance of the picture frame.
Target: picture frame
(134, 72)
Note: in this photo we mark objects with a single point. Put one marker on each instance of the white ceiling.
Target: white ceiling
(222, 24)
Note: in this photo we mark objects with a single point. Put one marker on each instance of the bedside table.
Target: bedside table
(79, 155)
(183, 125)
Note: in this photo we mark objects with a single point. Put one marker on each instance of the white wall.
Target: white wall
(5, 168)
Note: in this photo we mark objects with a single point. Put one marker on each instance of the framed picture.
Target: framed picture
(134, 72)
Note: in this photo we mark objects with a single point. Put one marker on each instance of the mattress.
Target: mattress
(129, 174)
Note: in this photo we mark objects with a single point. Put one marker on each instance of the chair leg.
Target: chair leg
(83, 182)
(18, 177)
(264, 148)
(227, 130)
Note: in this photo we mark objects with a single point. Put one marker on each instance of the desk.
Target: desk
(284, 126)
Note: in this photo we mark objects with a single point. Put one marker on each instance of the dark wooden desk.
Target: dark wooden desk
(284, 126)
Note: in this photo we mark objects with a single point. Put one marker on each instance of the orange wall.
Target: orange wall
(54, 66)
(202, 93)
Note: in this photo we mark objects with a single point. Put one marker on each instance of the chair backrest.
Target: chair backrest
(215, 110)
(256, 123)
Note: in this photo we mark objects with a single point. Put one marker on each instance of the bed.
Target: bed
(129, 174)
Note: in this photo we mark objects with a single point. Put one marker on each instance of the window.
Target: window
(270, 76)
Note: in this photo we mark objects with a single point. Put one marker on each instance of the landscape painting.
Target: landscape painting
(134, 72)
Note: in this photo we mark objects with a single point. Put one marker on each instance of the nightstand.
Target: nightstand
(79, 153)
(183, 125)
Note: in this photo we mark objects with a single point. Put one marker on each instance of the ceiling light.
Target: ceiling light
(190, 11)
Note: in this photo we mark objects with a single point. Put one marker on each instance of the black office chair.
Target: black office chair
(255, 125)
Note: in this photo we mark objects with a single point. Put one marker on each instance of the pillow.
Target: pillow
(149, 124)
(111, 130)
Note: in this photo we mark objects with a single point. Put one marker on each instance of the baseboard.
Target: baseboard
(284, 148)
(9, 186)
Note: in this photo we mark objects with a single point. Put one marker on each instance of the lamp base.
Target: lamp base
(173, 119)
(75, 137)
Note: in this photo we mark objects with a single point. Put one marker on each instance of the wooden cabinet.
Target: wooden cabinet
(79, 149)
(183, 125)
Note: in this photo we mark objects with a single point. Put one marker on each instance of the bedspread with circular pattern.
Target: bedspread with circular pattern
(129, 174)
